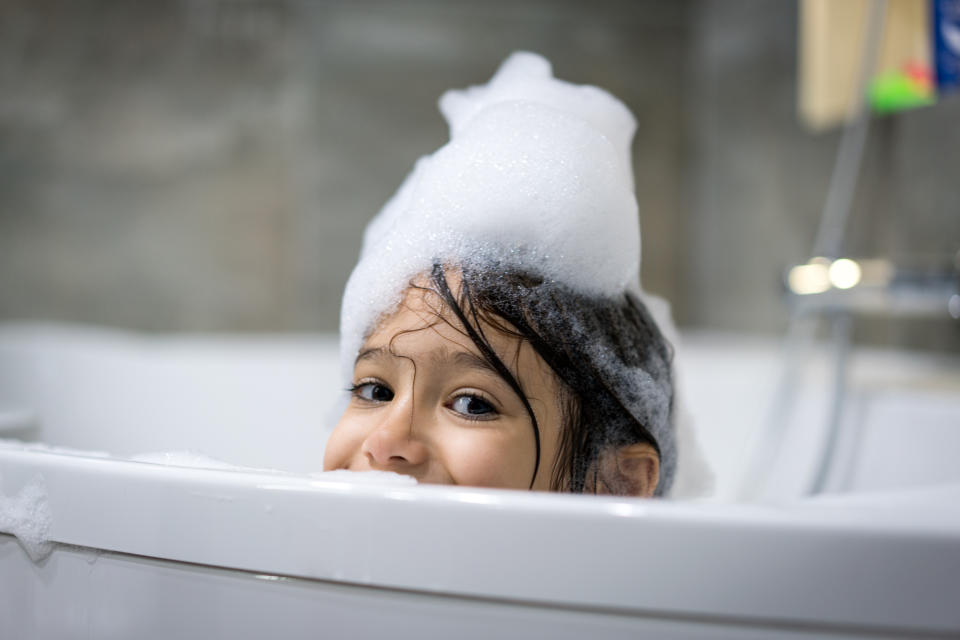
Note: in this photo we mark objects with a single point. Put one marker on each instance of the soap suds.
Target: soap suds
(26, 515)
(197, 460)
(366, 477)
(46, 448)
(536, 176)
(191, 459)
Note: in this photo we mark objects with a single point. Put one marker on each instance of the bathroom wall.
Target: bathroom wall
(208, 165)
(757, 181)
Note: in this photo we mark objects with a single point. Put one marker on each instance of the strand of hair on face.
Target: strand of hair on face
(440, 281)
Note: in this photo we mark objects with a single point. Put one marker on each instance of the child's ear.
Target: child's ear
(640, 465)
(632, 470)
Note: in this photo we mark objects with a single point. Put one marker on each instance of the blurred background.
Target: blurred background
(209, 165)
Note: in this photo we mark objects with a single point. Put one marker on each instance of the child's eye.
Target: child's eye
(372, 392)
(473, 407)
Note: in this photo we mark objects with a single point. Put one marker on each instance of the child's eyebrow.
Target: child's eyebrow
(470, 361)
(439, 358)
(375, 353)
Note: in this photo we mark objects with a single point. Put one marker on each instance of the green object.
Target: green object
(896, 91)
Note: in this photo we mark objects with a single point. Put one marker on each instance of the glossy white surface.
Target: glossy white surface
(80, 593)
(839, 563)
(169, 551)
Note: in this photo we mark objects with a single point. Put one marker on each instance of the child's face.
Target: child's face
(426, 404)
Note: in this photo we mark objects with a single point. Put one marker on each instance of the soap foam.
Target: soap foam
(366, 477)
(197, 460)
(536, 176)
(191, 459)
(9, 443)
(26, 516)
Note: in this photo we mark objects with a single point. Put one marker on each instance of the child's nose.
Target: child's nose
(392, 445)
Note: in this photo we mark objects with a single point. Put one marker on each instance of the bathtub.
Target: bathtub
(162, 547)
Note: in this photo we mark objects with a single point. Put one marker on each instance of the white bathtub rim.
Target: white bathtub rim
(876, 513)
(411, 538)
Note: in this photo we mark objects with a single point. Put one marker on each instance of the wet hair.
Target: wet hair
(613, 364)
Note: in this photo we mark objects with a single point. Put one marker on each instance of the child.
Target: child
(494, 331)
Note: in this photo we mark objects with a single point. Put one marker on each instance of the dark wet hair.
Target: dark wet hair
(613, 363)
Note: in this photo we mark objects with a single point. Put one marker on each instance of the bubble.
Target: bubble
(536, 175)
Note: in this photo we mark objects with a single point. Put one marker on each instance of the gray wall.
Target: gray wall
(210, 165)
(758, 180)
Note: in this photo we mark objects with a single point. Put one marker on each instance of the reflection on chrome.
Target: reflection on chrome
(873, 286)
(844, 273)
(813, 277)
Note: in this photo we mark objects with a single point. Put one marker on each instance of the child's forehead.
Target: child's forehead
(424, 320)
(420, 306)
(422, 301)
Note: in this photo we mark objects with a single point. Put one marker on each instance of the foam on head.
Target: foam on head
(536, 176)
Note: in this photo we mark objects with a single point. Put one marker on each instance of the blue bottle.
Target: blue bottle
(946, 43)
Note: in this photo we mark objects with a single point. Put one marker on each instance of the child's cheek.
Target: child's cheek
(333, 452)
(344, 442)
(489, 458)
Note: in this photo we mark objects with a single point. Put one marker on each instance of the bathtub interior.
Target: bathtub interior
(253, 401)
(268, 402)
